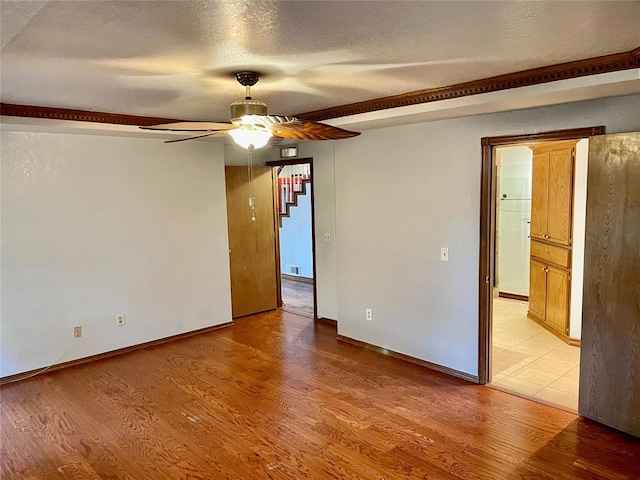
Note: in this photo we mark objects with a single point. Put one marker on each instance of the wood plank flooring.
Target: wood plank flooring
(277, 397)
(297, 297)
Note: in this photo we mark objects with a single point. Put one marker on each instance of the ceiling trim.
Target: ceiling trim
(32, 111)
(561, 71)
(551, 73)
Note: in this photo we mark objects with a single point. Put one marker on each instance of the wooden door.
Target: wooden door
(537, 289)
(610, 353)
(252, 247)
(539, 195)
(560, 194)
(558, 299)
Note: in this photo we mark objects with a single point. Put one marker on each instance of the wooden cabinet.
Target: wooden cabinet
(552, 192)
(549, 289)
(551, 228)
(538, 290)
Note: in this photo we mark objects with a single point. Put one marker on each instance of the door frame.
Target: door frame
(488, 181)
(281, 163)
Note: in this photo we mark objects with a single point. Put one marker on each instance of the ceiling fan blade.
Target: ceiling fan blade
(223, 132)
(312, 131)
(266, 121)
(191, 126)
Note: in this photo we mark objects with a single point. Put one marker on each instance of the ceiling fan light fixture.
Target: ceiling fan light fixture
(247, 138)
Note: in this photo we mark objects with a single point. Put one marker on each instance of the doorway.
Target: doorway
(521, 352)
(293, 193)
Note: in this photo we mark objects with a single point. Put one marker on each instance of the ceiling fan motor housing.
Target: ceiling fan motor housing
(246, 107)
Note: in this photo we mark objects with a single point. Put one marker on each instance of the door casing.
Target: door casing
(488, 181)
(298, 161)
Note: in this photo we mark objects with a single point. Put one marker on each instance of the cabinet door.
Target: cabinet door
(539, 195)
(537, 289)
(560, 196)
(558, 299)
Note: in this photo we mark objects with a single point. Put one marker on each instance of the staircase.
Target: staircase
(292, 182)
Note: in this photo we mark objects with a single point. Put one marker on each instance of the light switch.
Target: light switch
(327, 237)
(444, 254)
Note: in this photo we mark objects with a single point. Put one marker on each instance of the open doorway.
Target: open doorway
(295, 222)
(531, 302)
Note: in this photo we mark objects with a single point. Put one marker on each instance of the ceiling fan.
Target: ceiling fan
(251, 126)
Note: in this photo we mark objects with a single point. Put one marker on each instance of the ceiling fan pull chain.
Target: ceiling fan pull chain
(252, 199)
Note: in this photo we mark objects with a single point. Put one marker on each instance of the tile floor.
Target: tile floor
(529, 360)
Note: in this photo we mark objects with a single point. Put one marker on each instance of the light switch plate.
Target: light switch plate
(444, 254)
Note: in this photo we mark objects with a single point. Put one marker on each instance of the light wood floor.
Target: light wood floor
(297, 297)
(277, 397)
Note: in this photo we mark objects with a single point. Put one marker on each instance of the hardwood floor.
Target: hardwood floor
(297, 297)
(277, 397)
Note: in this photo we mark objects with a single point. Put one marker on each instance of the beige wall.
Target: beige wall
(401, 193)
(93, 226)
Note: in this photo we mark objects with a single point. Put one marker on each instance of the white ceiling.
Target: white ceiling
(175, 58)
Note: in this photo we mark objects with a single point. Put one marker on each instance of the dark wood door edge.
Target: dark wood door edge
(290, 161)
(487, 228)
(299, 161)
(524, 78)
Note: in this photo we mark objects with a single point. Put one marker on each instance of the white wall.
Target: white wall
(95, 226)
(401, 193)
(514, 173)
(295, 237)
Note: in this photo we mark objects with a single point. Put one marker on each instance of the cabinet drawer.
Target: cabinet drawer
(557, 255)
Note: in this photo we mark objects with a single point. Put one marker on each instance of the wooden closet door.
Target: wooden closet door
(610, 353)
(539, 195)
(537, 289)
(252, 247)
(558, 299)
(560, 195)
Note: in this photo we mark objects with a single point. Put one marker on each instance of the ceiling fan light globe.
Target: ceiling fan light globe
(247, 138)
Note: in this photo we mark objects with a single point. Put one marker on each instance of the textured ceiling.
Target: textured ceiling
(175, 58)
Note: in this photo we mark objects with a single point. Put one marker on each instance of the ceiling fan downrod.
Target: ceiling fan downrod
(247, 80)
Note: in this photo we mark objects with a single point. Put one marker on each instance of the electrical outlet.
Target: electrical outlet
(444, 254)
(120, 321)
(368, 314)
(77, 331)
(327, 237)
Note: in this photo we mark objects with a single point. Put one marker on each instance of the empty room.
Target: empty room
(319, 239)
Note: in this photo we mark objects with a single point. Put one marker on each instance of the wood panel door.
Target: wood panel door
(560, 195)
(539, 195)
(610, 354)
(252, 245)
(558, 299)
(537, 289)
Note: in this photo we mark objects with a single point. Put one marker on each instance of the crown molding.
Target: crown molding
(31, 111)
(561, 71)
